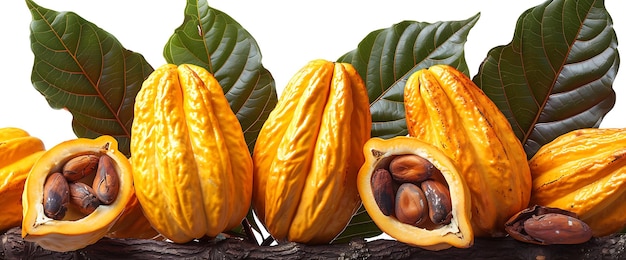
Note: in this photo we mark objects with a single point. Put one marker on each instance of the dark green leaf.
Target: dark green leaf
(557, 73)
(213, 40)
(84, 69)
(361, 225)
(387, 57)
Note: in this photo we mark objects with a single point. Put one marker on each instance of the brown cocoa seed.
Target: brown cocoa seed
(56, 196)
(439, 201)
(83, 197)
(554, 228)
(411, 204)
(410, 168)
(80, 166)
(382, 187)
(106, 183)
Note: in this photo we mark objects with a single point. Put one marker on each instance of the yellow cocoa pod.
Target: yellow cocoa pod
(133, 223)
(18, 153)
(458, 232)
(308, 154)
(74, 229)
(191, 165)
(446, 109)
(584, 171)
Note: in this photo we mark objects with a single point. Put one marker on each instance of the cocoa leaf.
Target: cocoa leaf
(557, 73)
(85, 70)
(385, 59)
(212, 39)
(360, 226)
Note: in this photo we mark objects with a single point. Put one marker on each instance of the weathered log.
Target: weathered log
(610, 247)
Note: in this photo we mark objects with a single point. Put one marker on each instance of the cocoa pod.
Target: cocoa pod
(446, 109)
(410, 168)
(382, 187)
(83, 197)
(411, 204)
(75, 230)
(185, 135)
(80, 166)
(582, 171)
(56, 196)
(106, 183)
(554, 228)
(439, 201)
(427, 235)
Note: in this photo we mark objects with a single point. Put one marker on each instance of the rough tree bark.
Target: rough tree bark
(610, 247)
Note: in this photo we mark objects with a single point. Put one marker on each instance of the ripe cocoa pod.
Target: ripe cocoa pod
(457, 232)
(446, 109)
(75, 229)
(308, 154)
(18, 152)
(191, 164)
(133, 223)
(583, 171)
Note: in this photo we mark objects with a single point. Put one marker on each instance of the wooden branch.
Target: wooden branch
(610, 247)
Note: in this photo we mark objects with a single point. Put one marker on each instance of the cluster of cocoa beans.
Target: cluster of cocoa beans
(68, 187)
(411, 189)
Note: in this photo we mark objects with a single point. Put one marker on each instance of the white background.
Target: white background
(290, 33)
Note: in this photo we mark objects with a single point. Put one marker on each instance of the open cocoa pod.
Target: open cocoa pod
(436, 220)
(51, 218)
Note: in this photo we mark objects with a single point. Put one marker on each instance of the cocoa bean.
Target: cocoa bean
(411, 204)
(554, 228)
(56, 196)
(439, 201)
(83, 197)
(106, 183)
(80, 166)
(382, 187)
(410, 168)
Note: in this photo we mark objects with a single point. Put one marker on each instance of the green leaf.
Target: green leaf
(84, 69)
(387, 57)
(557, 73)
(215, 41)
(360, 226)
